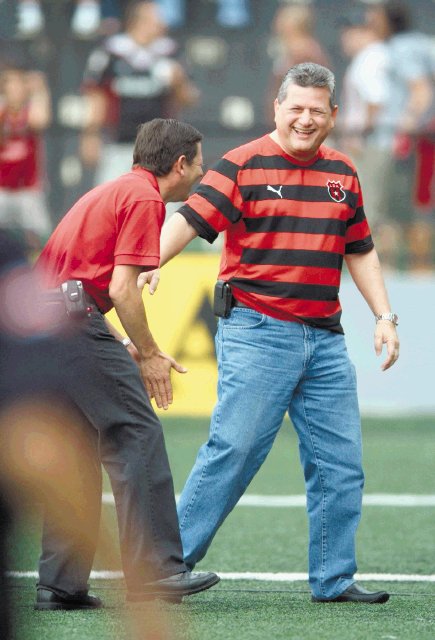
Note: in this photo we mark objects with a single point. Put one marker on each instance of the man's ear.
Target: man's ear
(334, 116)
(179, 165)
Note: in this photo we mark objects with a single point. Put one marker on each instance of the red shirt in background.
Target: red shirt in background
(20, 152)
(118, 222)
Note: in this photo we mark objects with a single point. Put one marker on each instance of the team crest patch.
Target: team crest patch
(335, 190)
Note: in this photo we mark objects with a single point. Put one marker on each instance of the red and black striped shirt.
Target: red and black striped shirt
(287, 227)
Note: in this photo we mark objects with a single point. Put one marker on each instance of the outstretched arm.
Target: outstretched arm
(176, 234)
(366, 272)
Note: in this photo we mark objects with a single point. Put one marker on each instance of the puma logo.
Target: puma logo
(277, 191)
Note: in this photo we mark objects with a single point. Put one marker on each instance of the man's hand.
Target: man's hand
(156, 374)
(385, 333)
(149, 277)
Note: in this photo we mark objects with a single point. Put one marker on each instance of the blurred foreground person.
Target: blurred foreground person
(25, 113)
(11, 253)
(291, 209)
(40, 432)
(48, 452)
(103, 242)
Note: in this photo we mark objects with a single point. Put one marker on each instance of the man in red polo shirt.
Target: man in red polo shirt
(105, 240)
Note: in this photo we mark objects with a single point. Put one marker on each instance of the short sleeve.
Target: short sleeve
(358, 238)
(138, 234)
(217, 202)
(96, 68)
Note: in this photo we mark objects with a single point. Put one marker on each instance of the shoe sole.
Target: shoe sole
(51, 606)
(380, 600)
(171, 596)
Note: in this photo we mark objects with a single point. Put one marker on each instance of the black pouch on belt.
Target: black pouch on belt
(74, 297)
(223, 299)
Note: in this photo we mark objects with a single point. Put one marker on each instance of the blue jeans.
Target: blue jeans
(268, 367)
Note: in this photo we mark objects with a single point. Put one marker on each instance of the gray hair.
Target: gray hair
(308, 74)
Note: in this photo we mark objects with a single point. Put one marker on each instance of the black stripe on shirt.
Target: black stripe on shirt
(330, 322)
(360, 246)
(201, 226)
(337, 167)
(287, 289)
(220, 201)
(359, 216)
(293, 257)
(294, 224)
(227, 168)
(300, 193)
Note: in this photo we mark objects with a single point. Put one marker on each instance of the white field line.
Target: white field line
(260, 577)
(373, 499)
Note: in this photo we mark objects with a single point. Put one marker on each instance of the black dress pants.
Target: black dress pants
(124, 433)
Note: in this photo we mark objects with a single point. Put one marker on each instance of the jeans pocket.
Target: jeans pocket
(241, 318)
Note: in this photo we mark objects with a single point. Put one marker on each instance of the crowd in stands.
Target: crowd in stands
(136, 71)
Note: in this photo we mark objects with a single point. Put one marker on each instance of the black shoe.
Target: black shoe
(355, 593)
(47, 600)
(175, 587)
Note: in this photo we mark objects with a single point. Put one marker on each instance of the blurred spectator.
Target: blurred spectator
(364, 94)
(22, 364)
(406, 127)
(230, 13)
(89, 18)
(132, 78)
(294, 42)
(25, 112)
(11, 252)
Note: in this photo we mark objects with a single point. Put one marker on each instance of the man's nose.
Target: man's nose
(305, 117)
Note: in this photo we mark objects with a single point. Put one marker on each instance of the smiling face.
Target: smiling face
(303, 120)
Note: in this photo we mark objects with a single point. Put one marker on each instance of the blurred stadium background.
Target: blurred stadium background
(231, 67)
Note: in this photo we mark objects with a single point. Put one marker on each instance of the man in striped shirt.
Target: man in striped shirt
(291, 210)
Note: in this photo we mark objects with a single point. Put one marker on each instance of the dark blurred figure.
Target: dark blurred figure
(294, 41)
(25, 113)
(11, 253)
(133, 77)
(363, 97)
(406, 127)
(48, 454)
(5, 623)
(31, 377)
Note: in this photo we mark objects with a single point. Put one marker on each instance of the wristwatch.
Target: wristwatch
(392, 317)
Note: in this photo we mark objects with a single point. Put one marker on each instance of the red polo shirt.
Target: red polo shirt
(118, 222)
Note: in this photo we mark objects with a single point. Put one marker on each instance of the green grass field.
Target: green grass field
(399, 458)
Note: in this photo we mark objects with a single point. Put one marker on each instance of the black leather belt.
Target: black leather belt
(73, 299)
(90, 301)
(237, 303)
